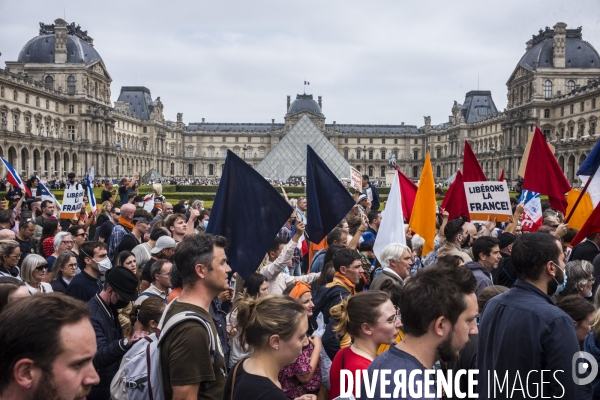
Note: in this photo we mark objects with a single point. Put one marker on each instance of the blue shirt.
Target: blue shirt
(522, 331)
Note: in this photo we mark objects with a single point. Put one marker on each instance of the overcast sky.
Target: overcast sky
(374, 62)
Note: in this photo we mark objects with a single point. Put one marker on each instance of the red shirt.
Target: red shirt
(352, 362)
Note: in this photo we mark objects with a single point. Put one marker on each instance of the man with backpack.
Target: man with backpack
(186, 349)
(119, 289)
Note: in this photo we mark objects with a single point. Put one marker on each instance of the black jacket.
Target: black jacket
(586, 250)
(108, 343)
(505, 274)
(324, 300)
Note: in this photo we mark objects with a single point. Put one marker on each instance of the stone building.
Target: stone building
(56, 116)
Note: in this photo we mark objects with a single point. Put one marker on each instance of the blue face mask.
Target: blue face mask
(205, 224)
(561, 286)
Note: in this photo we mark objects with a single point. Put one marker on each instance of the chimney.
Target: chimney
(273, 121)
(289, 99)
(60, 42)
(202, 120)
(320, 103)
(558, 45)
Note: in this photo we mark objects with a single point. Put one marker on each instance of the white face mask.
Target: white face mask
(186, 206)
(104, 265)
(141, 204)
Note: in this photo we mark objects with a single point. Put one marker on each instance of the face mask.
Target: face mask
(118, 305)
(560, 285)
(186, 207)
(465, 242)
(205, 224)
(141, 204)
(104, 265)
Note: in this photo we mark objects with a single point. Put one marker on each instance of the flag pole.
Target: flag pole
(580, 197)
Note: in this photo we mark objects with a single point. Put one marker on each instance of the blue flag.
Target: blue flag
(591, 163)
(328, 200)
(248, 212)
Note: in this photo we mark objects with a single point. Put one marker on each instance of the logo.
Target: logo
(584, 364)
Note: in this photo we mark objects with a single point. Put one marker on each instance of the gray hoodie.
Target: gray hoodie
(483, 276)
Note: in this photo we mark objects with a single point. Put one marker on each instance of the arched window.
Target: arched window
(570, 85)
(49, 82)
(211, 169)
(415, 154)
(415, 171)
(358, 154)
(547, 89)
(71, 85)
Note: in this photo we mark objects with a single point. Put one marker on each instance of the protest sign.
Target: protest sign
(488, 199)
(72, 201)
(355, 179)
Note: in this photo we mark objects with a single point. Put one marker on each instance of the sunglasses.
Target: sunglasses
(117, 213)
(41, 267)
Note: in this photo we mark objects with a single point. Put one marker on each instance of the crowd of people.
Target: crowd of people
(80, 299)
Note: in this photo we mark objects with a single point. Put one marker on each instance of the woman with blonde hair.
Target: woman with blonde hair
(370, 319)
(273, 328)
(33, 272)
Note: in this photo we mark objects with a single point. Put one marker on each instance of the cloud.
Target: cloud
(381, 62)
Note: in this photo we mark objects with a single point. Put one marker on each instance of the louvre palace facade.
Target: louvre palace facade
(56, 116)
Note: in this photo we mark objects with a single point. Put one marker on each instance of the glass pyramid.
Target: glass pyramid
(288, 158)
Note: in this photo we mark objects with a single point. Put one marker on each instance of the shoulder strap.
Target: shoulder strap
(151, 295)
(234, 375)
(186, 316)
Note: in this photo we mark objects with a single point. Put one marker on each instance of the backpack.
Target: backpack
(139, 376)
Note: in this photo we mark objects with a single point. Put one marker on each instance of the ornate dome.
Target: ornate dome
(40, 49)
(304, 103)
(578, 52)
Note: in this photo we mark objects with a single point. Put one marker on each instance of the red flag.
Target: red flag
(408, 191)
(543, 174)
(591, 226)
(471, 169)
(501, 179)
(455, 200)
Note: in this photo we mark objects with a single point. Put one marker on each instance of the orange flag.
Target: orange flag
(422, 219)
(583, 210)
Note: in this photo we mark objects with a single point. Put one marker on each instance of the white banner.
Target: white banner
(488, 199)
(355, 179)
(72, 201)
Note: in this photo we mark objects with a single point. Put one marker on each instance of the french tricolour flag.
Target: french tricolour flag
(46, 193)
(88, 182)
(13, 178)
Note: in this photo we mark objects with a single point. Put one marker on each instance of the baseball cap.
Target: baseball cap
(362, 197)
(163, 242)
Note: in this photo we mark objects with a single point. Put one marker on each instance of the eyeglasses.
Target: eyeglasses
(68, 241)
(17, 256)
(72, 266)
(41, 267)
(81, 234)
(117, 213)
